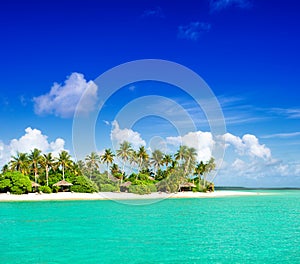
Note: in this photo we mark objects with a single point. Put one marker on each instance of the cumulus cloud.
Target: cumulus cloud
(202, 141)
(62, 100)
(119, 135)
(248, 145)
(33, 138)
(154, 12)
(193, 30)
(217, 5)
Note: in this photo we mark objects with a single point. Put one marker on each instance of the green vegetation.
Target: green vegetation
(15, 182)
(139, 172)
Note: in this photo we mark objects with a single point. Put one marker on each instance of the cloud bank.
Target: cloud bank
(33, 138)
(62, 100)
(119, 135)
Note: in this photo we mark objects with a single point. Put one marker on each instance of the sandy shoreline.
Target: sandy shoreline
(119, 196)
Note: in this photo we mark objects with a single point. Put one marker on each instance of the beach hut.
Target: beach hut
(34, 185)
(64, 185)
(113, 178)
(124, 186)
(151, 178)
(187, 186)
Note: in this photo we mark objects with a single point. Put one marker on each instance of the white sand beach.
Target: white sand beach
(119, 196)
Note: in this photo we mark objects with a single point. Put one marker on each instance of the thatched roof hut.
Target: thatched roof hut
(63, 183)
(34, 184)
(186, 186)
(124, 186)
(113, 178)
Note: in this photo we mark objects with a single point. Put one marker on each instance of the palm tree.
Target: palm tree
(156, 159)
(133, 159)
(92, 162)
(210, 166)
(200, 170)
(82, 167)
(64, 160)
(181, 153)
(47, 161)
(142, 156)
(167, 159)
(190, 159)
(35, 160)
(76, 169)
(114, 169)
(107, 158)
(19, 162)
(5, 168)
(124, 153)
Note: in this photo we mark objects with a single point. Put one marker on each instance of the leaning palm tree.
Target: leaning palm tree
(210, 166)
(190, 160)
(64, 160)
(47, 161)
(156, 159)
(124, 152)
(108, 158)
(35, 159)
(19, 162)
(143, 157)
(93, 162)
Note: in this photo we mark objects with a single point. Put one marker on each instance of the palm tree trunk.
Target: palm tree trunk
(47, 175)
(107, 170)
(63, 171)
(35, 175)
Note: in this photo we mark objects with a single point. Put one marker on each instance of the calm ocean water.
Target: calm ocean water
(253, 229)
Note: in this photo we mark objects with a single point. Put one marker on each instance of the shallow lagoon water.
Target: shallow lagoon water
(246, 229)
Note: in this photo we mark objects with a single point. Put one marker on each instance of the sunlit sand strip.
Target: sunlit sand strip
(120, 196)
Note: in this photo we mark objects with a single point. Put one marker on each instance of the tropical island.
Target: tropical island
(127, 170)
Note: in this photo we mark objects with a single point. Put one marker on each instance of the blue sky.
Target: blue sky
(246, 51)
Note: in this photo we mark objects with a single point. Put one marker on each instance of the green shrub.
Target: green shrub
(101, 178)
(55, 189)
(83, 184)
(109, 188)
(139, 189)
(5, 185)
(152, 188)
(45, 189)
(15, 182)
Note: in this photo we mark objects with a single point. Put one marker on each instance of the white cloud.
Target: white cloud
(239, 165)
(283, 135)
(248, 145)
(33, 138)
(119, 135)
(193, 30)
(202, 141)
(62, 100)
(154, 12)
(217, 5)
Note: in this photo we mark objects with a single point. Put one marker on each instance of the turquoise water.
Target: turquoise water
(253, 229)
